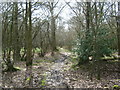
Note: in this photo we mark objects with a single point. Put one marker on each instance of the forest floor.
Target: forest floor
(58, 72)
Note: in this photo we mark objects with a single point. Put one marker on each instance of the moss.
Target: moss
(43, 81)
(107, 57)
(63, 49)
(116, 86)
(18, 68)
(28, 79)
(37, 50)
(114, 61)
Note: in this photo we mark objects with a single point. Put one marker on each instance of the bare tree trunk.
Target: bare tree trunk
(96, 57)
(53, 35)
(7, 41)
(87, 20)
(53, 29)
(16, 54)
(48, 37)
(118, 35)
(29, 39)
(29, 46)
(118, 29)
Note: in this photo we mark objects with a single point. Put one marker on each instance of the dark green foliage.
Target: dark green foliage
(83, 49)
(103, 42)
(85, 46)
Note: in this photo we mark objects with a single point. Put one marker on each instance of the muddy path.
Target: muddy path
(55, 75)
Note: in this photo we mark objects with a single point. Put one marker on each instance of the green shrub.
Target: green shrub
(86, 47)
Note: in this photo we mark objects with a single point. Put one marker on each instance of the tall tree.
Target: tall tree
(53, 16)
(29, 43)
(16, 52)
(7, 29)
(87, 19)
(29, 38)
(118, 29)
(53, 26)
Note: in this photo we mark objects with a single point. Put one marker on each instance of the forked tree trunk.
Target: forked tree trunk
(7, 42)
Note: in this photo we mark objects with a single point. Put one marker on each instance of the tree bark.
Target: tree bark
(16, 54)
(53, 29)
(118, 29)
(118, 35)
(29, 45)
(53, 35)
(87, 19)
(7, 40)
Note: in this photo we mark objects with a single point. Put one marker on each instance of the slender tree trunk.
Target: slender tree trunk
(48, 37)
(29, 39)
(53, 35)
(96, 56)
(29, 45)
(87, 20)
(118, 36)
(87, 33)
(118, 29)
(16, 54)
(53, 29)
